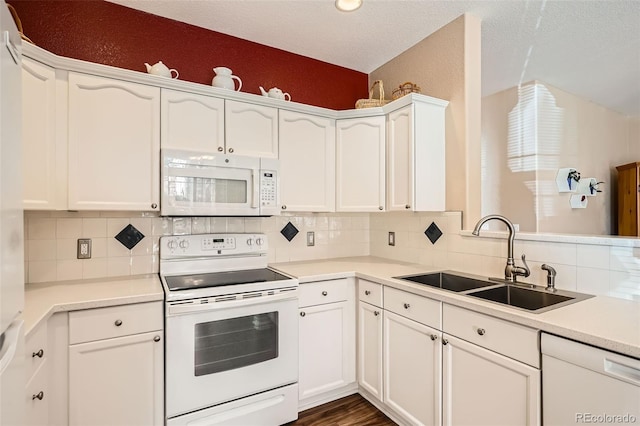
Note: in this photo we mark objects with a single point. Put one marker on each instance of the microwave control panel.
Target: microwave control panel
(268, 188)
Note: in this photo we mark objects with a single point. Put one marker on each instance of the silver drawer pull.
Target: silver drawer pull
(154, 206)
(220, 149)
(38, 354)
(367, 292)
(376, 313)
(434, 336)
(118, 323)
(407, 206)
(324, 293)
(407, 306)
(302, 314)
(38, 396)
(481, 331)
(156, 339)
(230, 149)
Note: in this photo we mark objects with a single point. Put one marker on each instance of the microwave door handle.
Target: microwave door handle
(256, 190)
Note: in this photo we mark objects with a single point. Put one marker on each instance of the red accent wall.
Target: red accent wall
(111, 34)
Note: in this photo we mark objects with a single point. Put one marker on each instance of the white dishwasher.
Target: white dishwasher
(582, 384)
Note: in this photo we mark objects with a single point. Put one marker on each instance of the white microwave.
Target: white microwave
(206, 184)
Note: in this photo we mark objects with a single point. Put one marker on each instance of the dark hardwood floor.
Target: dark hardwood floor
(352, 410)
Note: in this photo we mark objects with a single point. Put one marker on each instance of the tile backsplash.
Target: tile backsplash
(603, 266)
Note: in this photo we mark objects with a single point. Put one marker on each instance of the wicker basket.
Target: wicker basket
(18, 22)
(405, 89)
(372, 103)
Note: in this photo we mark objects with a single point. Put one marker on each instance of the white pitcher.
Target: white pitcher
(224, 79)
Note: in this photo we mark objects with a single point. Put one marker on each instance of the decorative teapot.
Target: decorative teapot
(275, 93)
(224, 79)
(161, 70)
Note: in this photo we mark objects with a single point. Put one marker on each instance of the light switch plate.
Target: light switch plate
(311, 238)
(84, 248)
(392, 238)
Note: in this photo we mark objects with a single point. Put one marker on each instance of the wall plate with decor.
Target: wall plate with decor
(566, 179)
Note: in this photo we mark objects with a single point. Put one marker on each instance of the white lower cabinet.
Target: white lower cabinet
(370, 349)
(482, 387)
(326, 341)
(116, 365)
(412, 369)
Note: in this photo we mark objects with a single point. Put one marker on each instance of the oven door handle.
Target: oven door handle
(177, 308)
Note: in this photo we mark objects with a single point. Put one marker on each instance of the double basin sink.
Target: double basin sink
(520, 295)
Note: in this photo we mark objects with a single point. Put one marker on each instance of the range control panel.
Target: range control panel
(210, 245)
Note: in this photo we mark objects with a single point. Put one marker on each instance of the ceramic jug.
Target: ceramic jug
(161, 70)
(224, 79)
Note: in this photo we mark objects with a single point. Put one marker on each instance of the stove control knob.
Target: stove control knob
(259, 241)
(172, 244)
(184, 244)
(250, 242)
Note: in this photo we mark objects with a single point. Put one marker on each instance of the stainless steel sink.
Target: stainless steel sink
(530, 299)
(448, 281)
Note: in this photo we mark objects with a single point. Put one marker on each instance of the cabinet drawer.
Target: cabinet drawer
(320, 292)
(421, 309)
(370, 292)
(513, 340)
(37, 398)
(36, 349)
(116, 321)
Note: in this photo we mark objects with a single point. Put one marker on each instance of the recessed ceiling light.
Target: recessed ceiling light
(348, 5)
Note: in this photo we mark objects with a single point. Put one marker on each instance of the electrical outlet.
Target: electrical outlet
(84, 248)
(392, 238)
(311, 238)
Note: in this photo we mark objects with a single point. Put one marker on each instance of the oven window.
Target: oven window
(234, 343)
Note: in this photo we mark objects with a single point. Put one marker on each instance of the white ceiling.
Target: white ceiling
(587, 47)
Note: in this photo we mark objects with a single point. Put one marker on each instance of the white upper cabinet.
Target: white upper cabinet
(191, 121)
(251, 130)
(360, 164)
(307, 162)
(44, 141)
(416, 157)
(114, 144)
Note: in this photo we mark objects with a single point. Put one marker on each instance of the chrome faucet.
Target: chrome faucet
(511, 271)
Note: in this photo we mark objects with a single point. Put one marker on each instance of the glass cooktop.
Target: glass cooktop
(219, 279)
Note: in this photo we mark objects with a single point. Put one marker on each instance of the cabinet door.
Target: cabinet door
(43, 138)
(114, 144)
(370, 349)
(481, 387)
(117, 381)
(191, 121)
(307, 162)
(251, 130)
(360, 174)
(400, 162)
(327, 348)
(412, 369)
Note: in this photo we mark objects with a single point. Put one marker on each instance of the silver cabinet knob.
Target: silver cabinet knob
(445, 342)
(302, 314)
(376, 313)
(407, 306)
(367, 292)
(230, 149)
(220, 149)
(324, 293)
(284, 207)
(38, 396)
(481, 331)
(118, 323)
(434, 336)
(156, 339)
(380, 208)
(407, 206)
(154, 206)
(38, 354)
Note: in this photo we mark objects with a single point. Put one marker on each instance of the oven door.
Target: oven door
(227, 350)
(196, 184)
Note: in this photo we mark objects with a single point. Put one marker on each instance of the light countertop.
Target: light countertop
(43, 300)
(606, 322)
